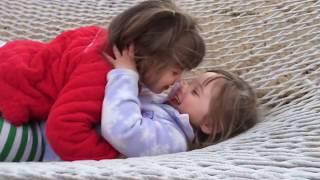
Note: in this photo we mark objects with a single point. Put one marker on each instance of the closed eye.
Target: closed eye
(195, 92)
(176, 73)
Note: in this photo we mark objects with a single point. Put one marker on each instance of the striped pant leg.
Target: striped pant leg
(23, 143)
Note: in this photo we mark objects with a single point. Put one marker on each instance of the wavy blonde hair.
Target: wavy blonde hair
(232, 112)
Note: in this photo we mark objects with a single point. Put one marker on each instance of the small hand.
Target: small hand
(125, 59)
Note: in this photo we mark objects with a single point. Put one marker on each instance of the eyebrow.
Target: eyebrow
(207, 81)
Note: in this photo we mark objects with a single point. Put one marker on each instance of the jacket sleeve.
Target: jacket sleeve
(18, 78)
(73, 119)
(131, 131)
(33, 73)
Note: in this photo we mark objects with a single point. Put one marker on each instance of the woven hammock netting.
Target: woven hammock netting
(273, 44)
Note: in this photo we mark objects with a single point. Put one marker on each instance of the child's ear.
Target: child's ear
(206, 127)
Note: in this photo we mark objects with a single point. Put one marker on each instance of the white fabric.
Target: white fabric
(2, 43)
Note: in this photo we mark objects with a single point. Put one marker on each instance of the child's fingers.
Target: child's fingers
(110, 59)
(116, 52)
(131, 50)
(125, 53)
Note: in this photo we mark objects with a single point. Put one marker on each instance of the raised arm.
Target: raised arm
(124, 126)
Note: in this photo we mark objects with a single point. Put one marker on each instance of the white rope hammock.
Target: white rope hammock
(273, 44)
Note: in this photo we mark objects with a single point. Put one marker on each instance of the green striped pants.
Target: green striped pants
(23, 143)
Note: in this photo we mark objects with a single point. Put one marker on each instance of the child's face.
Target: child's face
(167, 78)
(194, 98)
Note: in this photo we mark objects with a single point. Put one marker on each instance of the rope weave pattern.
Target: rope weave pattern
(273, 44)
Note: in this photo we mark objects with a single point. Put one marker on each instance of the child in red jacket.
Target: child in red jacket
(63, 81)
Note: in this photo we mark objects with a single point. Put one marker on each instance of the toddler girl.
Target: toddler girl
(63, 81)
(213, 107)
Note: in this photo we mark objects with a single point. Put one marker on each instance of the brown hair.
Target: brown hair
(162, 34)
(232, 112)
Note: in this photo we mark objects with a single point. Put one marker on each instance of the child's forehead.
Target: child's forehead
(200, 77)
(210, 76)
(209, 80)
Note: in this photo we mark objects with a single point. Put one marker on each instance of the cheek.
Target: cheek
(159, 85)
(193, 115)
(169, 77)
(151, 83)
(194, 108)
(186, 106)
(164, 81)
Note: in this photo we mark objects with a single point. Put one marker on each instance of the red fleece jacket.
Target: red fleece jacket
(63, 82)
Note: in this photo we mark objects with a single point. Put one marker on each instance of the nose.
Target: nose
(177, 78)
(174, 80)
(184, 86)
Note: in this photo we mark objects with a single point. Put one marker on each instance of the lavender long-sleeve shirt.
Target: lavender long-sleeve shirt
(141, 124)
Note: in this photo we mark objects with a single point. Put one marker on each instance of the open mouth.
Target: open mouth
(176, 97)
(175, 100)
